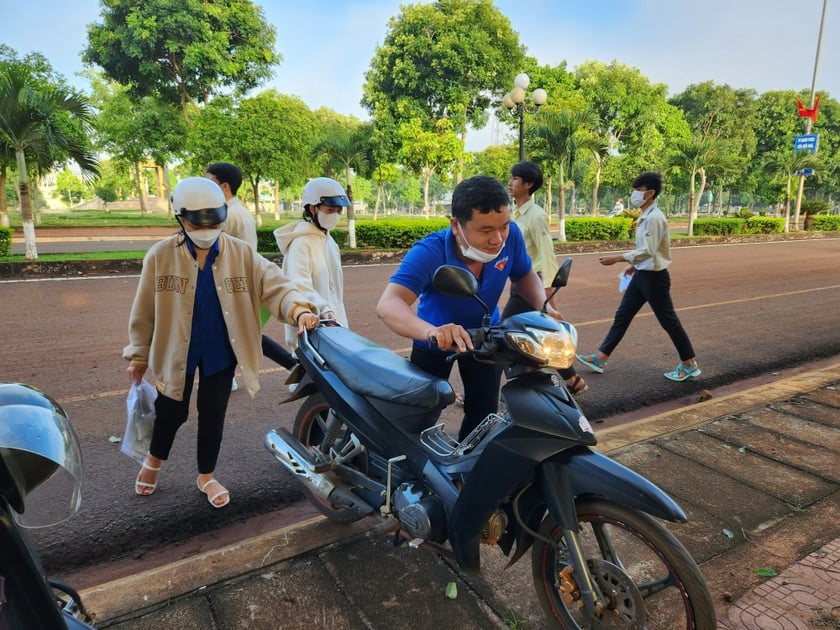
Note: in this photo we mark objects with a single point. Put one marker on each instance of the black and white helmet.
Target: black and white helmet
(324, 190)
(199, 201)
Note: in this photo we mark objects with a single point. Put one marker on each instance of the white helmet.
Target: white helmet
(324, 190)
(199, 201)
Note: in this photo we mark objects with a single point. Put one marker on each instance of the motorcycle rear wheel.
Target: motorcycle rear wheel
(310, 427)
(649, 579)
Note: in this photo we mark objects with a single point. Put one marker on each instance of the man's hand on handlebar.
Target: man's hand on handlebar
(450, 337)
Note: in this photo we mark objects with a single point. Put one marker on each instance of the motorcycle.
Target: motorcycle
(366, 442)
(40, 485)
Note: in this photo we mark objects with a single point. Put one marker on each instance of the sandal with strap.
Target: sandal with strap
(212, 497)
(683, 373)
(592, 362)
(577, 387)
(141, 486)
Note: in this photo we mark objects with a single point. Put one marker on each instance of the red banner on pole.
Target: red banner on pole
(806, 112)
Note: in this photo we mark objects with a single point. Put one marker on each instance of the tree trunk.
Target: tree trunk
(140, 193)
(255, 185)
(31, 251)
(787, 205)
(561, 207)
(596, 185)
(4, 209)
(351, 211)
(427, 178)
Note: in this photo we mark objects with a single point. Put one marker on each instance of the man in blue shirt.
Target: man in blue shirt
(483, 239)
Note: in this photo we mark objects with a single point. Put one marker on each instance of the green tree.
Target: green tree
(348, 151)
(69, 187)
(445, 59)
(429, 152)
(45, 123)
(495, 160)
(135, 130)
(268, 136)
(183, 56)
(555, 136)
(695, 156)
(784, 165)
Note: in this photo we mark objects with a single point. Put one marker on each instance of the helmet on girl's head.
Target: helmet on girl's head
(324, 190)
(199, 201)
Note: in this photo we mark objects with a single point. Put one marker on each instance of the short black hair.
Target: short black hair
(529, 173)
(483, 193)
(226, 173)
(651, 181)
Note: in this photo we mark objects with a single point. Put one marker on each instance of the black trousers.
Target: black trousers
(653, 287)
(481, 384)
(212, 402)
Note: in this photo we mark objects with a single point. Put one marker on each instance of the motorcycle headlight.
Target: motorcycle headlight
(553, 348)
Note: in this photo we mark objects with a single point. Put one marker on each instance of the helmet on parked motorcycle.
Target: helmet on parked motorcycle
(324, 190)
(199, 201)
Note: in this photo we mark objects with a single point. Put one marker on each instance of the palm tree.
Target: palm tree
(554, 136)
(785, 164)
(43, 124)
(348, 152)
(695, 155)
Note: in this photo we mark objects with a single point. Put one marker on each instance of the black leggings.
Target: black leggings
(212, 402)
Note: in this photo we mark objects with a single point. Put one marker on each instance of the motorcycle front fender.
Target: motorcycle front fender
(584, 473)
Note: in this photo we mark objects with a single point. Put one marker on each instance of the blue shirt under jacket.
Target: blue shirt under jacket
(439, 248)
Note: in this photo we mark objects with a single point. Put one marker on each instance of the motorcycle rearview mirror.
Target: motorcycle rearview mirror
(561, 279)
(458, 282)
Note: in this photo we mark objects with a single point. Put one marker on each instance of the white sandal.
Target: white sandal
(212, 498)
(142, 484)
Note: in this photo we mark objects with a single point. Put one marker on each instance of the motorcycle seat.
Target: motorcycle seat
(373, 370)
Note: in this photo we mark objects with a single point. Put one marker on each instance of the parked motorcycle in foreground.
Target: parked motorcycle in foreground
(40, 485)
(366, 442)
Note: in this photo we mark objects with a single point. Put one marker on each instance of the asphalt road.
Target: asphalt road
(750, 309)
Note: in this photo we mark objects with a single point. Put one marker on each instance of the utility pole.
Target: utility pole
(811, 106)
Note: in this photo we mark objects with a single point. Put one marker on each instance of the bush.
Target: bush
(5, 241)
(827, 223)
(763, 225)
(814, 207)
(599, 228)
(397, 233)
(718, 227)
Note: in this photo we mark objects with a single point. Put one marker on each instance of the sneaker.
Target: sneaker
(682, 373)
(592, 362)
(234, 385)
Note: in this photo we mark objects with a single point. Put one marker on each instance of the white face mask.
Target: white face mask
(204, 239)
(328, 220)
(476, 254)
(637, 198)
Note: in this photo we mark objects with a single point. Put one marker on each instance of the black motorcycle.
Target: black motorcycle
(40, 485)
(366, 442)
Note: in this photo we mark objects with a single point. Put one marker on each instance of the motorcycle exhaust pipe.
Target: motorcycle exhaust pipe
(295, 458)
(299, 461)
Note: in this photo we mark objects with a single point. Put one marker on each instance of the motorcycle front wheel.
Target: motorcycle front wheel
(646, 576)
(312, 424)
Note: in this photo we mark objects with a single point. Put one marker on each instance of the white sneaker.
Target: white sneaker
(234, 385)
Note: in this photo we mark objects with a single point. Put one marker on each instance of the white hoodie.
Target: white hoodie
(312, 261)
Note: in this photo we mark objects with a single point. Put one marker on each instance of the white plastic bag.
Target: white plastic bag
(140, 406)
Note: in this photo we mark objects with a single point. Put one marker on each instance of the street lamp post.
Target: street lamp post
(516, 99)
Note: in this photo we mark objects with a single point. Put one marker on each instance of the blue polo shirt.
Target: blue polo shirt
(440, 248)
(210, 347)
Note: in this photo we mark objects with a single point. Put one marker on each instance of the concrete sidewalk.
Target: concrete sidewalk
(757, 472)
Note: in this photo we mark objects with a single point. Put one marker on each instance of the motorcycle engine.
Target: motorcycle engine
(420, 513)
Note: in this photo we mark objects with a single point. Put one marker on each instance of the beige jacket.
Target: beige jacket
(161, 318)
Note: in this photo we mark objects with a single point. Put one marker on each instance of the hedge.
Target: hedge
(5, 241)
(731, 226)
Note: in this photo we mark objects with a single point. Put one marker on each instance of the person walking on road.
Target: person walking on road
(526, 178)
(481, 239)
(650, 282)
(310, 254)
(197, 309)
(241, 224)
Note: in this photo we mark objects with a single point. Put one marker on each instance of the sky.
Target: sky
(327, 45)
